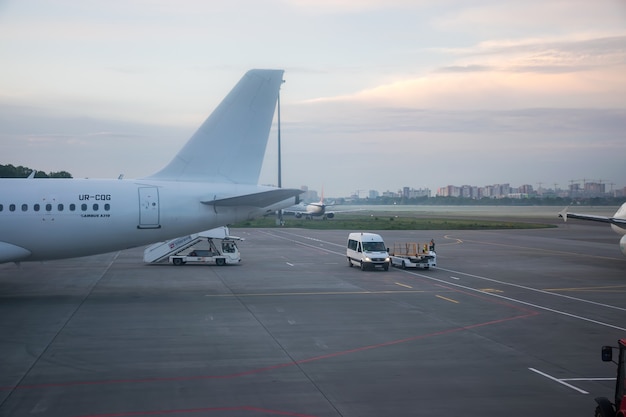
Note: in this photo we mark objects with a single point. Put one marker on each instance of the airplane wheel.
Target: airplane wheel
(220, 261)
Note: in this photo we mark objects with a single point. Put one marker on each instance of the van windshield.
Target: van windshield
(374, 247)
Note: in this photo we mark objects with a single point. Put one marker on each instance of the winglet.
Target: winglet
(563, 214)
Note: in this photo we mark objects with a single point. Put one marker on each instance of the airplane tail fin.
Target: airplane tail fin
(230, 145)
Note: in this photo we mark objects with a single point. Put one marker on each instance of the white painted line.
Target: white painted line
(289, 263)
(560, 381)
(588, 379)
(487, 293)
(457, 278)
(537, 306)
(582, 300)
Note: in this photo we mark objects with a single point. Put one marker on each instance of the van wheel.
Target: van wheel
(177, 261)
(350, 263)
(220, 261)
(363, 267)
(386, 267)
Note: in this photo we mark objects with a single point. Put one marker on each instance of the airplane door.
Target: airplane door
(148, 208)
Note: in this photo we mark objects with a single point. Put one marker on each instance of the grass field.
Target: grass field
(392, 221)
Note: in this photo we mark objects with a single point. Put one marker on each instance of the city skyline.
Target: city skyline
(575, 189)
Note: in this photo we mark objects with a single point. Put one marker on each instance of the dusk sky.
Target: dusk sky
(379, 94)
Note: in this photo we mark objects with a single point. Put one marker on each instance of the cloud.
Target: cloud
(84, 146)
(464, 68)
(550, 55)
(543, 17)
(511, 75)
(352, 6)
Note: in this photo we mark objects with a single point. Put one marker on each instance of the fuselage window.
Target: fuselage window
(107, 207)
(36, 207)
(11, 207)
(95, 207)
(83, 207)
(48, 207)
(72, 207)
(60, 207)
(24, 207)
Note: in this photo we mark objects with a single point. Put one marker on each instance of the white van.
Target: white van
(367, 250)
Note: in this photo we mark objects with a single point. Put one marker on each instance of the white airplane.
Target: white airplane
(618, 222)
(211, 182)
(310, 210)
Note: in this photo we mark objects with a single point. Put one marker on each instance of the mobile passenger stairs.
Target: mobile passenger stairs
(214, 246)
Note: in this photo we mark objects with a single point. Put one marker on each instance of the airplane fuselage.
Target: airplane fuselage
(315, 209)
(620, 214)
(51, 218)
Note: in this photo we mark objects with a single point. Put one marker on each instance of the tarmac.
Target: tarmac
(511, 322)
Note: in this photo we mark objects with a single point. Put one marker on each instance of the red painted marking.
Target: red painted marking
(200, 410)
(273, 367)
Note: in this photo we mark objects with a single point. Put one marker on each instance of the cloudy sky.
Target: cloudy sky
(379, 94)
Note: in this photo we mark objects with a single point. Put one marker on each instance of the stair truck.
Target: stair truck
(412, 255)
(605, 407)
(214, 246)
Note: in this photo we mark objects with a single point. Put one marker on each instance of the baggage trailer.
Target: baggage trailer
(412, 255)
(213, 246)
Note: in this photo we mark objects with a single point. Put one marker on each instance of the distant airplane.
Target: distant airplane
(310, 210)
(211, 182)
(618, 222)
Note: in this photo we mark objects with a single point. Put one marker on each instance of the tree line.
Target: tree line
(10, 171)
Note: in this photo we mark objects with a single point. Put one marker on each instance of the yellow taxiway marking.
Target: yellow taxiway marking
(448, 299)
(403, 285)
(282, 294)
(456, 241)
(492, 290)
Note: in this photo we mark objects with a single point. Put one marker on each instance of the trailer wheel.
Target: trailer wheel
(220, 261)
(604, 408)
(177, 261)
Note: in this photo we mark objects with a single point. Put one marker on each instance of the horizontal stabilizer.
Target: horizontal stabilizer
(262, 199)
(618, 221)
